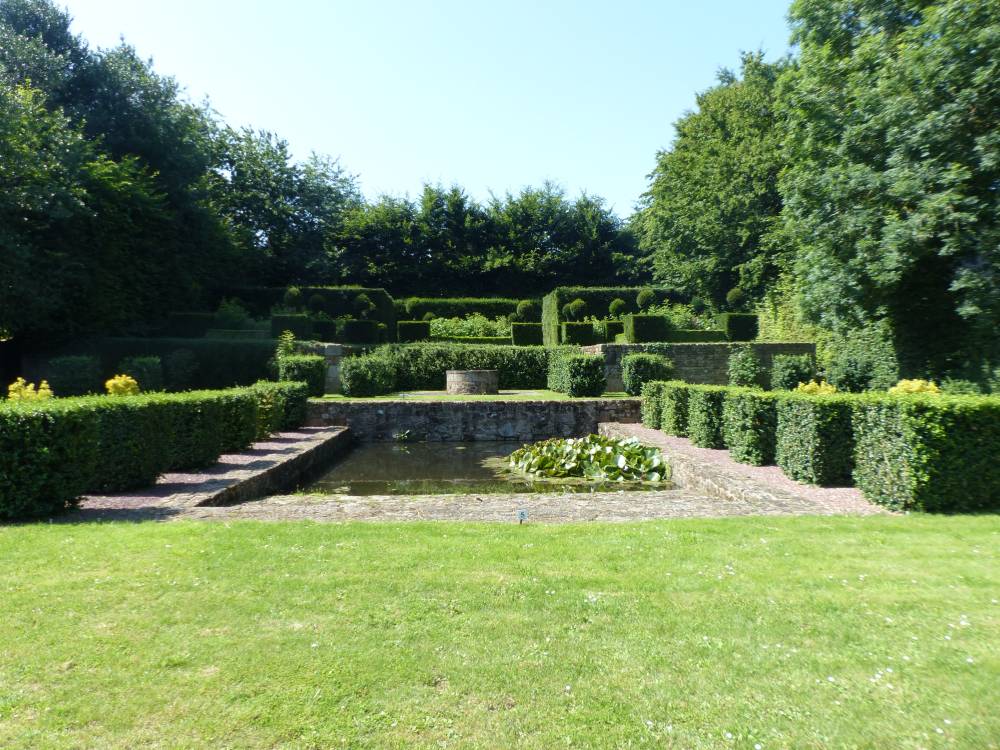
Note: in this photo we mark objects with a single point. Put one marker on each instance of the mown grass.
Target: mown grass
(513, 395)
(791, 633)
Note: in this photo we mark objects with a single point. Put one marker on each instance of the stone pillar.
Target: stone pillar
(473, 382)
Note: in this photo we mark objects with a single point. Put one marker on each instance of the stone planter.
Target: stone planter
(473, 382)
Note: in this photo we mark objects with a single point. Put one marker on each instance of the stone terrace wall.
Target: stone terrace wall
(445, 421)
(694, 363)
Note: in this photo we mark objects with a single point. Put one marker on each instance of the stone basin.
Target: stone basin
(473, 382)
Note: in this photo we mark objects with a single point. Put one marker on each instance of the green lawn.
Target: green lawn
(782, 633)
(523, 395)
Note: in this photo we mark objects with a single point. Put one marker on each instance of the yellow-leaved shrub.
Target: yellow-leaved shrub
(907, 387)
(21, 390)
(122, 385)
(816, 388)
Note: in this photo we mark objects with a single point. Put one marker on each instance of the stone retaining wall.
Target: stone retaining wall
(694, 363)
(445, 421)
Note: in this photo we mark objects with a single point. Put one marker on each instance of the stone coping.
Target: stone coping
(714, 473)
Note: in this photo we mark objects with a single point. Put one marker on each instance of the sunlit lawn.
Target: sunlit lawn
(796, 633)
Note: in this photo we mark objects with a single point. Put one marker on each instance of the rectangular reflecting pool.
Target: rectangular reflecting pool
(443, 469)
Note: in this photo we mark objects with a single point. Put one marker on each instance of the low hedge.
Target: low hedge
(750, 425)
(526, 334)
(652, 403)
(641, 329)
(788, 370)
(359, 332)
(413, 330)
(692, 336)
(74, 375)
(280, 406)
(815, 442)
(459, 307)
(577, 374)
(298, 323)
(53, 451)
(739, 326)
(491, 340)
(306, 368)
(674, 407)
(927, 452)
(638, 369)
(704, 417)
(578, 333)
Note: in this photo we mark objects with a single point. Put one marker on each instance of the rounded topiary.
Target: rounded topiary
(293, 298)
(363, 305)
(617, 308)
(577, 309)
(645, 299)
(316, 303)
(736, 298)
(429, 316)
(528, 310)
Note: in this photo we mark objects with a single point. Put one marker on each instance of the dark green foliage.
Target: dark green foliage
(74, 375)
(862, 361)
(750, 425)
(815, 440)
(674, 397)
(617, 308)
(368, 375)
(526, 334)
(652, 403)
(495, 340)
(704, 415)
(929, 453)
(745, 368)
(577, 374)
(685, 336)
(232, 316)
(293, 298)
(609, 329)
(788, 370)
(462, 307)
(280, 406)
(575, 310)
(958, 387)
(146, 370)
(739, 326)
(188, 325)
(645, 299)
(736, 298)
(429, 316)
(529, 311)
(298, 323)
(362, 305)
(578, 333)
(180, 369)
(413, 330)
(640, 329)
(638, 369)
(305, 368)
(246, 333)
(598, 299)
(317, 303)
(359, 332)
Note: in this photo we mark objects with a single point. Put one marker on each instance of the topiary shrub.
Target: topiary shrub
(674, 398)
(735, 298)
(526, 334)
(645, 299)
(739, 326)
(815, 442)
(316, 304)
(788, 370)
(146, 371)
(577, 374)
(231, 315)
(292, 298)
(750, 425)
(745, 369)
(73, 376)
(640, 329)
(617, 308)
(413, 330)
(652, 403)
(529, 311)
(429, 316)
(369, 375)
(358, 331)
(929, 453)
(363, 306)
(638, 369)
(704, 417)
(578, 333)
(306, 368)
(575, 310)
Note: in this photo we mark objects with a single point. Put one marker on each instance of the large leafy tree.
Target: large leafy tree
(708, 217)
(892, 194)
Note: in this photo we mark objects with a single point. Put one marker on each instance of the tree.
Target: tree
(708, 216)
(891, 195)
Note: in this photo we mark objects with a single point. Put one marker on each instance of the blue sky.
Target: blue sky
(489, 95)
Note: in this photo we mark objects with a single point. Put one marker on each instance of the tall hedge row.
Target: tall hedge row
(53, 451)
(416, 308)
(598, 302)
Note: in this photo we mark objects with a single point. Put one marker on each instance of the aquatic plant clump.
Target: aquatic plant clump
(593, 457)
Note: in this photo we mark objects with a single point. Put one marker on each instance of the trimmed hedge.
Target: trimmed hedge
(305, 368)
(526, 334)
(359, 331)
(73, 375)
(53, 451)
(815, 439)
(280, 406)
(492, 340)
(598, 301)
(652, 403)
(460, 307)
(577, 374)
(609, 329)
(928, 453)
(239, 333)
(674, 407)
(146, 370)
(638, 369)
(299, 324)
(188, 325)
(578, 333)
(413, 330)
(692, 336)
(704, 417)
(640, 329)
(788, 370)
(739, 326)
(750, 425)
(368, 375)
